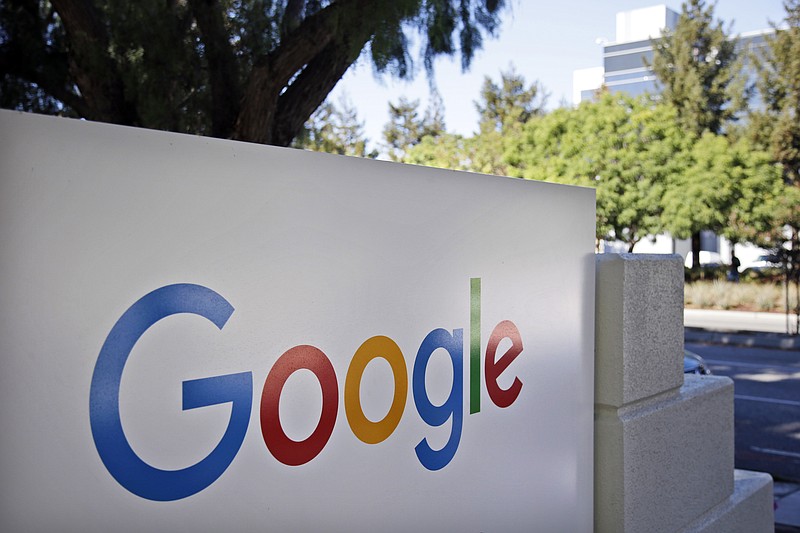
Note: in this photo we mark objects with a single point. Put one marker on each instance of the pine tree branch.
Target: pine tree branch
(292, 16)
(222, 66)
(94, 70)
(26, 56)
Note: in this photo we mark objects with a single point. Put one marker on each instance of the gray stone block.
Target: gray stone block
(748, 510)
(638, 327)
(662, 463)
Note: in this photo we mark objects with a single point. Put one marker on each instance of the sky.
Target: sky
(542, 40)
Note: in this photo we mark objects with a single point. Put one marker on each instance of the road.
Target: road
(767, 405)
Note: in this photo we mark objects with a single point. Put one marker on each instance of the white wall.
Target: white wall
(644, 23)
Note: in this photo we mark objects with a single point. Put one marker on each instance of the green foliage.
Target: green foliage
(443, 151)
(252, 70)
(651, 175)
(335, 130)
(627, 148)
(777, 124)
(504, 108)
(726, 186)
(776, 127)
(406, 128)
(765, 295)
(480, 153)
(161, 73)
(696, 65)
(700, 74)
(510, 103)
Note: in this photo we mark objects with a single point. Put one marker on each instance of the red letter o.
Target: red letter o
(284, 449)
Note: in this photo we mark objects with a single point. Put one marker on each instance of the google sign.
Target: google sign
(156, 484)
(206, 335)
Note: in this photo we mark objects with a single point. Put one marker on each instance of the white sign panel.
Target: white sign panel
(202, 335)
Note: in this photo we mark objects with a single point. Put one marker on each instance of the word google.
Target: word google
(166, 485)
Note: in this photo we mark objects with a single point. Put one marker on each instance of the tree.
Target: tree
(252, 70)
(696, 66)
(406, 128)
(504, 108)
(727, 186)
(509, 103)
(335, 130)
(776, 127)
(627, 148)
(447, 150)
(777, 122)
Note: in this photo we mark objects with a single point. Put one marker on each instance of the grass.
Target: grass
(764, 297)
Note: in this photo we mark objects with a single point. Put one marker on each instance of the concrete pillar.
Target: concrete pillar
(663, 442)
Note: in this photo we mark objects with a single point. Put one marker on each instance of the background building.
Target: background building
(625, 70)
(625, 60)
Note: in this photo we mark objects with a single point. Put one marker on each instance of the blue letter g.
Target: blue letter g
(115, 451)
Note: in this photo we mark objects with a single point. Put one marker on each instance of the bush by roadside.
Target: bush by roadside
(719, 294)
(720, 272)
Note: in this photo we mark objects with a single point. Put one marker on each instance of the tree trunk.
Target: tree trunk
(794, 254)
(95, 72)
(696, 251)
(223, 72)
(288, 84)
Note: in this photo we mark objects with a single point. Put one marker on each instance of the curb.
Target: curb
(755, 339)
(787, 502)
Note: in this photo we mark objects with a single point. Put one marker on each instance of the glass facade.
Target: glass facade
(625, 47)
(637, 75)
(625, 67)
(625, 63)
(635, 88)
(629, 61)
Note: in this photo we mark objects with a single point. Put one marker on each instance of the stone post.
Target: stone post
(663, 441)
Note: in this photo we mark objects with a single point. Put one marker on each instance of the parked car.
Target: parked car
(694, 364)
(765, 261)
(707, 259)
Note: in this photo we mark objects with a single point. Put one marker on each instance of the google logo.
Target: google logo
(153, 483)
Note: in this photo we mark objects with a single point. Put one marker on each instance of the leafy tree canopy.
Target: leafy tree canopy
(447, 150)
(776, 125)
(627, 148)
(335, 130)
(727, 186)
(509, 102)
(253, 70)
(406, 128)
(697, 68)
(504, 107)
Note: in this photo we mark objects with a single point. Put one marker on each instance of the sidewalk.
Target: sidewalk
(787, 507)
(739, 328)
(738, 320)
(764, 330)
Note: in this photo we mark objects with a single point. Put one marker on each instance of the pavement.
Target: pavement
(787, 507)
(741, 328)
(763, 330)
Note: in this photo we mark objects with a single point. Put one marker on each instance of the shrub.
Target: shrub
(753, 296)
